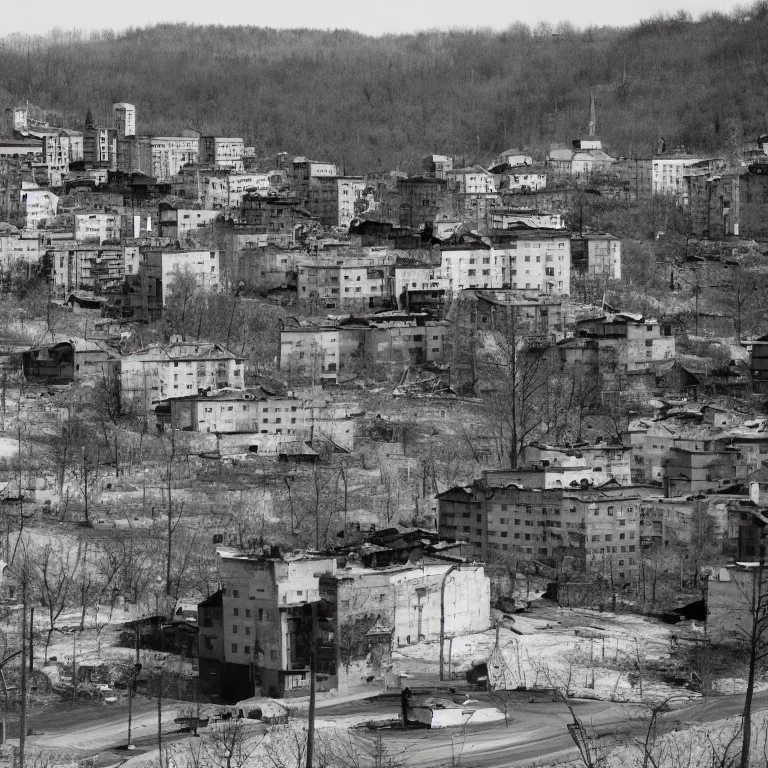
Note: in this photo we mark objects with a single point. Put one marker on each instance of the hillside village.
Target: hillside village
(271, 432)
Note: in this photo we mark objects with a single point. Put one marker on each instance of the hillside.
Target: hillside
(366, 102)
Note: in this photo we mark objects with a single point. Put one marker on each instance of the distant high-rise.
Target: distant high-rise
(125, 119)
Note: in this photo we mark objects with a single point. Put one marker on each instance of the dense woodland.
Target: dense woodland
(385, 101)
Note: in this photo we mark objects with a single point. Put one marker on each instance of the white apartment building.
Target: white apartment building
(227, 191)
(470, 266)
(164, 266)
(124, 118)
(513, 218)
(62, 148)
(17, 248)
(170, 153)
(97, 226)
(538, 262)
(222, 152)
(422, 278)
(667, 175)
(349, 190)
(473, 181)
(39, 205)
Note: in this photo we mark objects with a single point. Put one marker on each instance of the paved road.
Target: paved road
(535, 731)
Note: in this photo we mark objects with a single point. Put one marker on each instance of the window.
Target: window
(236, 611)
(234, 629)
(247, 613)
(247, 630)
(261, 614)
(234, 647)
(235, 593)
(247, 649)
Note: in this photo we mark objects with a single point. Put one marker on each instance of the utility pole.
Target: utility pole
(160, 719)
(442, 618)
(23, 681)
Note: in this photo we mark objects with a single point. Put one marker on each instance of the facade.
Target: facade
(350, 285)
(98, 149)
(38, 205)
(228, 190)
(599, 527)
(161, 267)
(250, 410)
(170, 153)
(160, 373)
(78, 266)
(332, 200)
(596, 255)
(525, 218)
(222, 152)
(668, 171)
(178, 223)
(733, 593)
(636, 173)
(134, 154)
(523, 179)
(280, 217)
(73, 360)
(124, 115)
(19, 249)
(60, 149)
(272, 604)
(437, 165)
(420, 200)
(471, 265)
(472, 181)
(758, 365)
(97, 226)
(537, 260)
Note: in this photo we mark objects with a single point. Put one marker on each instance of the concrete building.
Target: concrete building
(353, 284)
(525, 218)
(78, 266)
(250, 410)
(22, 247)
(280, 217)
(668, 171)
(437, 165)
(598, 526)
(758, 365)
(97, 226)
(471, 265)
(333, 200)
(523, 179)
(272, 603)
(222, 152)
(38, 206)
(124, 116)
(636, 174)
(420, 287)
(596, 255)
(134, 154)
(226, 191)
(733, 593)
(170, 153)
(304, 170)
(420, 200)
(62, 148)
(99, 147)
(72, 360)
(159, 373)
(178, 223)
(537, 260)
(472, 181)
(161, 266)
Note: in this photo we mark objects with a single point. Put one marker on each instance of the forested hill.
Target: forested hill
(383, 102)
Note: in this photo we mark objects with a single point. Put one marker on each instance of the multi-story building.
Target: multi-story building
(421, 200)
(84, 266)
(473, 181)
(599, 527)
(124, 116)
(249, 410)
(523, 179)
(99, 147)
(636, 174)
(222, 152)
(471, 265)
(62, 148)
(134, 154)
(350, 285)
(227, 190)
(170, 153)
(596, 255)
(537, 260)
(437, 165)
(332, 200)
(511, 313)
(177, 223)
(20, 248)
(159, 373)
(280, 217)
(323, 353)
(668, 171)
(161, 267)
(97, 226)
(758, 365)
(304, 170)
(420, 288)
(273, 603)
(38, 205)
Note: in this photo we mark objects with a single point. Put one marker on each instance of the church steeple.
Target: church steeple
(88, 119)
(592, 130)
